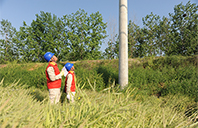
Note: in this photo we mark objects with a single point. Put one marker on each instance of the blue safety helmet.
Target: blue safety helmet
(48, 56)
(68, 66)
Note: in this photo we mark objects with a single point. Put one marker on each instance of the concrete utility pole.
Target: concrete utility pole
(123, 43)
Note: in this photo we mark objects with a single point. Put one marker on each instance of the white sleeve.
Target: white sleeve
(51, 73)
(69, 81)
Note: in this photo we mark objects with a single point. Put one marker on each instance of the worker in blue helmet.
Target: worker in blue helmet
(70, 82)
(53, 76)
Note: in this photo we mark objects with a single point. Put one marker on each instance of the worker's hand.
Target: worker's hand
(62, 73)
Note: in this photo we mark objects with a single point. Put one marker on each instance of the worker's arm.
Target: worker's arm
(69, 81)
(52, 76)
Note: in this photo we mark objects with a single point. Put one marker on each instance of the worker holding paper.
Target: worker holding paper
(70, 82)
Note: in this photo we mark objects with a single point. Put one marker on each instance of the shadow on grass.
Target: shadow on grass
(108, 75)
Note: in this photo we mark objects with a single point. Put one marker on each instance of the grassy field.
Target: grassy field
(99, 100)
(30, 108)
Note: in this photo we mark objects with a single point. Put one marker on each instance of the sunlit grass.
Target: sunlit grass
(109, 108)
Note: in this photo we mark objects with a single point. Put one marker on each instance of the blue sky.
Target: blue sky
(17, 11)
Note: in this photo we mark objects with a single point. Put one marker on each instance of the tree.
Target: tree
(140, 46)
(163, 35)
(84, 35)
(151, 30)
(72, 37)
(46, 33)
(133, 38)
(8, 50)
(176, 35)
(184, 25)
(112, 50)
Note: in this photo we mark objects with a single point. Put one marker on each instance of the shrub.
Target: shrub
(159, 76)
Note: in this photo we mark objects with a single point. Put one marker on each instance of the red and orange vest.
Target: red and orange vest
(73, 84)
(56, 83)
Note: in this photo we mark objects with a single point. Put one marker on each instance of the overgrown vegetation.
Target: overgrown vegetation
(162, 92)
(153, 76)
(21, 107)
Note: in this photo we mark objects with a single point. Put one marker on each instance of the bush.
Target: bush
(158, 76)
(30, 74)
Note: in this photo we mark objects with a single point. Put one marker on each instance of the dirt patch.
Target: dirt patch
(35, 67)
(3, 65)
(134, 60)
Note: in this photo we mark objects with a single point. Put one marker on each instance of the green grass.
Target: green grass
(30, 108)
(153, 76)
(162, 92)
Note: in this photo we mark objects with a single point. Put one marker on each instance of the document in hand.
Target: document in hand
(65, 71)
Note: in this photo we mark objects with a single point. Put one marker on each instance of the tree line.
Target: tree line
(79, 36)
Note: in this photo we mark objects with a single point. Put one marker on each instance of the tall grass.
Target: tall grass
(153, 76)
(162, 92)
(20, 108)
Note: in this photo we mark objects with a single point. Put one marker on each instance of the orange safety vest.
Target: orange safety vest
(56, 83)
(73, 84)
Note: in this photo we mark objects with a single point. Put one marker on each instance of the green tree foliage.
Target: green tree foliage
(8, 48)
(79, 36)
(164, 36)
(44, 34)
(72, 37)
(84, 35)
(184, 27)
(173, 35)
(112, 50)
(135, 40)
(150, 31)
